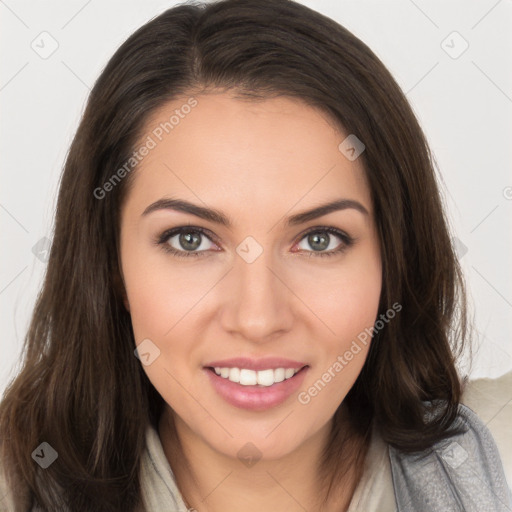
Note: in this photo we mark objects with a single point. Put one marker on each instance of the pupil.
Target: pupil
(190, 240)
(318, 242)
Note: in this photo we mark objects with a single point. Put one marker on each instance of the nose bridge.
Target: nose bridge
(259, 298)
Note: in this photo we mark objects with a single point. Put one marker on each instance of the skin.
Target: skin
(258, 162)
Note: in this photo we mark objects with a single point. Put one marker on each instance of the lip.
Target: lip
(256, 398)
(265, 363)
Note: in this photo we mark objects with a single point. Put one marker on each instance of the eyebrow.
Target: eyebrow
(219, 217)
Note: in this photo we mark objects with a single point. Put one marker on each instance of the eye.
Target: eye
(193, 241)
(323, 241)
(185, 241)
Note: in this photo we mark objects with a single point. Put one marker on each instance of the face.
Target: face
(230, 278)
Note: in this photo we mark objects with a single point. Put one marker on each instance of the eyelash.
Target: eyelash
(166, 235)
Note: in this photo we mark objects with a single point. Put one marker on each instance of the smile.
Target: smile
(255, 384)
(247, 377)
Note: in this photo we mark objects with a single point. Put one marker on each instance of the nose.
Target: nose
(259, 304)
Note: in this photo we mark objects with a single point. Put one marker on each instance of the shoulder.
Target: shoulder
(463, 472)
(491, 400)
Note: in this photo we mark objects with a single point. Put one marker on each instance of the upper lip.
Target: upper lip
(265, 363)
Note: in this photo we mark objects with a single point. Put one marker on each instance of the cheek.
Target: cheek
(344, 297)
(349, 308)
(165, 300)
(159, 292)
(354, 302)
(160, 295)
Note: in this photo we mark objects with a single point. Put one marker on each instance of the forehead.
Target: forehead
(260, 154)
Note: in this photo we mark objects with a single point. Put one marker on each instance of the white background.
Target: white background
(464, 105)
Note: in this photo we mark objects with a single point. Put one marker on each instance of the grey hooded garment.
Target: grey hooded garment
(462, 473)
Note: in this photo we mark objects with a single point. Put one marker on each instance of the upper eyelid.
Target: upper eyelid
(169, 233)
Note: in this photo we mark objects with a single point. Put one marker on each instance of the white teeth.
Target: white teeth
(289, 372)
(266, 377)
(247, 377)
(234, 374)
(279, 374)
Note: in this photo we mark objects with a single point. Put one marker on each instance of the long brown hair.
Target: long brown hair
(82, 390)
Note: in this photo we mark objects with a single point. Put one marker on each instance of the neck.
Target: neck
(210, 481)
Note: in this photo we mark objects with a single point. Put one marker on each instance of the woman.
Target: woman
(251, 301)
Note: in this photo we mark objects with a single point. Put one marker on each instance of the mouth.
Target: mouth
(256, 389)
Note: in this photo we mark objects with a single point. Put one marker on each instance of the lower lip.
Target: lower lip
(256, 398)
